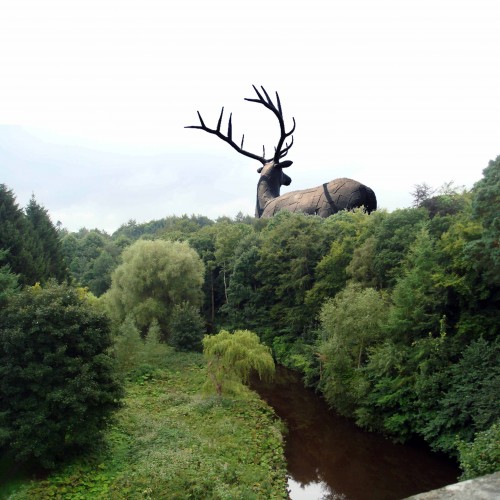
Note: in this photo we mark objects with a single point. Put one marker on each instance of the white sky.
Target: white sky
(390, 92)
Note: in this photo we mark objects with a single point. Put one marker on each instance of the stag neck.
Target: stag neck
(268, 187)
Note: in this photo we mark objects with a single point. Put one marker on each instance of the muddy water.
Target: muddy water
(330, 458)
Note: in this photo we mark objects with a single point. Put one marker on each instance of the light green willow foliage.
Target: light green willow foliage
(232, 357)
(153, 278)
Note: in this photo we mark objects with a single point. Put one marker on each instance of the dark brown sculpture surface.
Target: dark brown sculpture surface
(324, 200)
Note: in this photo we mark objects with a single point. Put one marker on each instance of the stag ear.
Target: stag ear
(259, 170)
(284, 164)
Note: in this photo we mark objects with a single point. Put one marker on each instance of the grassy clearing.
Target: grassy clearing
(171, 441)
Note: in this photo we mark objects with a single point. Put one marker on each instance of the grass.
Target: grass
(171, 441)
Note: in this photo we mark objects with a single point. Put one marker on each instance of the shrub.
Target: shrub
(482, 456)
(58, 387)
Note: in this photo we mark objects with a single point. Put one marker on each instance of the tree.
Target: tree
(421, 193)
(485, 252)
(186, 328)
(58, 388)
(153, 278)
(232, 357)
(394, 235)
(15, 237)
(8, 280)
(46, 245)
(228, 237)
(350, 324)
(292, 244)
(470, 401)
(418, 300)
(244, 306)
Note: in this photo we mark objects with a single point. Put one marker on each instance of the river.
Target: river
(330, 458)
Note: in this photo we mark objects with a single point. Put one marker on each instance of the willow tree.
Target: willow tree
(153, 277)
(233, 357)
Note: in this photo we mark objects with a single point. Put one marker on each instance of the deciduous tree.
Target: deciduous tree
(153, 278)
(232, 357)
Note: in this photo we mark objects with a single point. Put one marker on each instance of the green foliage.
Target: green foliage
(481, 456)
(92, 256)
(153, 278)
(58, 388)
(128, 344)
(417, 300)
(486, 251)
(395, 233)
(16, 238)
(168, 441)
(186, 327)
(232, 357)
(8, 280)
(292, 245)
(350, 324)
(470, 401)
(45, 244)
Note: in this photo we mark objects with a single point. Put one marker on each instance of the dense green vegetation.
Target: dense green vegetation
(58, 383)
(169, 440)
(392, 317)
(29, 242)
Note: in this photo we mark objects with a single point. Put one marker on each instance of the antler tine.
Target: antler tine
(264, 99)
(230, 127)
(279, 104)
(227, 138)
(278, 112)
(269, 100)
(201, 119)
(220, 119)
(284, 151)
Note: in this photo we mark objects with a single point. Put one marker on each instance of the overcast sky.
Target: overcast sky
(95, 94)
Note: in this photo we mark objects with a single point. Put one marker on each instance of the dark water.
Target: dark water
(330, 458)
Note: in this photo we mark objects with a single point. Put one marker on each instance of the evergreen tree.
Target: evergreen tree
(15, 237)
(8, 280)
(45, 244)
(57, 382)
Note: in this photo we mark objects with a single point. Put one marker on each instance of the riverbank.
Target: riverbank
(171, 441)
(328, 456)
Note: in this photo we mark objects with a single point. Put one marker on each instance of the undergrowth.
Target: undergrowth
(171, 441)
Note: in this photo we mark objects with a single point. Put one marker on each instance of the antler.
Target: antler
(278, 151)
(278, 112)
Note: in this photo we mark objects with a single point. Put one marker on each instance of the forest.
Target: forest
(392, 317)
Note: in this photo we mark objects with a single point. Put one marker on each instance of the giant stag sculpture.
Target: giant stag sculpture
(324, 200)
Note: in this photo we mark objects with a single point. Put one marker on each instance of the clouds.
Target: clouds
(389, 93)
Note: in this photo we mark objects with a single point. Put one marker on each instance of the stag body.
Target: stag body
(324, 200)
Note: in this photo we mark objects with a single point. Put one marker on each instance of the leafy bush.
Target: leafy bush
(482, 456)
(57, 382)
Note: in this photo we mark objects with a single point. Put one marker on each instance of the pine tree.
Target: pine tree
(45, 243)
(13, 237)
